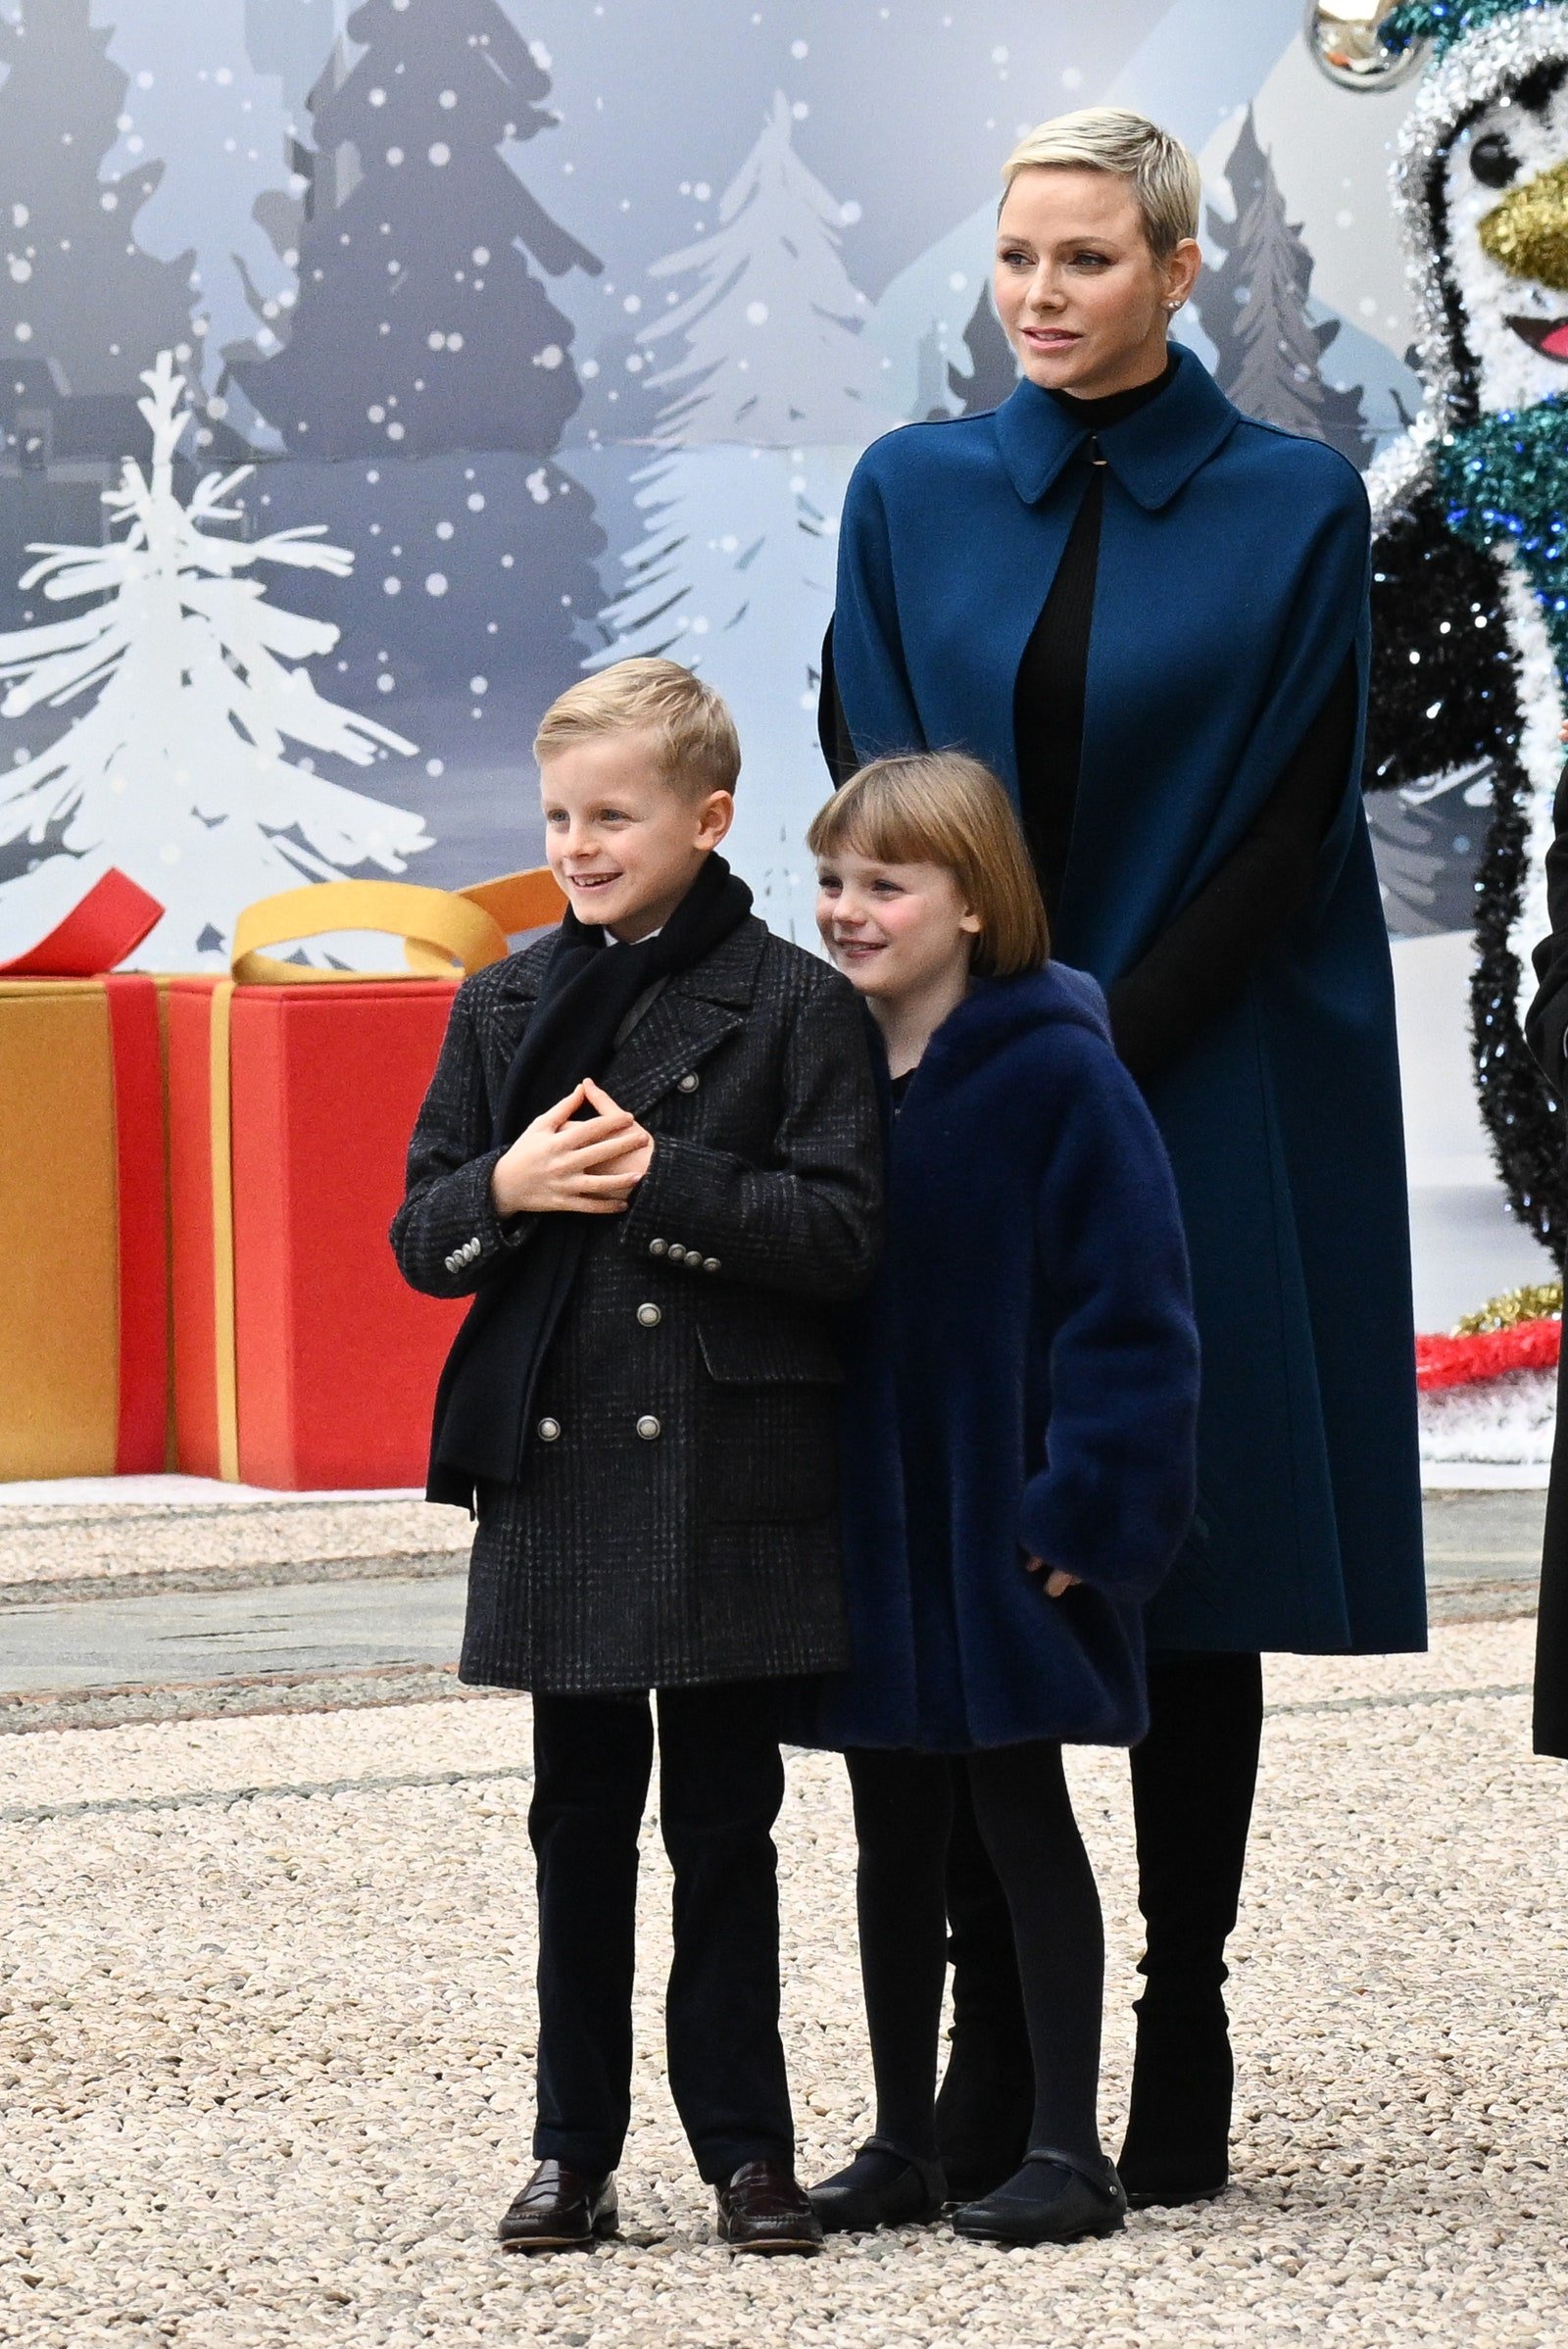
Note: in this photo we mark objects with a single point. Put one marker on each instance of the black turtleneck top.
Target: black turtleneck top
(1201, 960)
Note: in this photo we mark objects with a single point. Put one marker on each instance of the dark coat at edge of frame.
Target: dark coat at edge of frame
(1547, 1031)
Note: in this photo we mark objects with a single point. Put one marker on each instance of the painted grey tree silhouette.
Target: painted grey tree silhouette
(992, 371)
(1253, 306)
(76, 290)
(420, 326)
(425, 342)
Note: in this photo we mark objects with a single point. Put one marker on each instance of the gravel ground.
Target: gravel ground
(50, 1550)
(266, 2018)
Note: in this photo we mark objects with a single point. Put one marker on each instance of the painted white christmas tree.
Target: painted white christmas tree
(179, 771)
(771, 397)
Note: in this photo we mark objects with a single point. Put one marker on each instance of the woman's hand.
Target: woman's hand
(1057, 1583)
(563, 1164)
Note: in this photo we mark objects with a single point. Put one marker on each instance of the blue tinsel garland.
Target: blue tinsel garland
(1506, 483)
(1445, 21)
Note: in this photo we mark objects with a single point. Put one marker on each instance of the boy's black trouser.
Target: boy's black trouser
(721, 1784)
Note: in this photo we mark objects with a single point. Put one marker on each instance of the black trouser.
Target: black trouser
(721, 1784)
(1194, 1778)
(904, 1812)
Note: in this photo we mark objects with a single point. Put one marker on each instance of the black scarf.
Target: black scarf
(590, 989)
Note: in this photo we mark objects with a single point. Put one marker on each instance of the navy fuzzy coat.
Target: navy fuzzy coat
(1024, 1379)
(1233, 578)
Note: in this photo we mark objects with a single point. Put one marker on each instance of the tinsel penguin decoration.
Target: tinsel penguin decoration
(1470, 511)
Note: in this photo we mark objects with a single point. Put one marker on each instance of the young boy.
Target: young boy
(651, 1153)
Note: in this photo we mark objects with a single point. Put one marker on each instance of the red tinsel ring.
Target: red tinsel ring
(1464, 1361)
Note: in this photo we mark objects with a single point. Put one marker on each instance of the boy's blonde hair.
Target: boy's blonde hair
(699, 749)
(1167, 184)
(944, 808)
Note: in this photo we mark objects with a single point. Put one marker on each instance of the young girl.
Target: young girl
(1018, 1464)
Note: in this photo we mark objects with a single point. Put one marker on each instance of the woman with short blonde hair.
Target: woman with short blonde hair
(1148, 613)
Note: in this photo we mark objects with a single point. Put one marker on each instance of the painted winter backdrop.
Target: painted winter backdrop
(518, 334)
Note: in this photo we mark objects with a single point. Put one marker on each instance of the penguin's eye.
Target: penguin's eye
(1493, 161)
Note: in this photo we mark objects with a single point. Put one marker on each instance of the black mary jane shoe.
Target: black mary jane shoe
(883, 2187)
(1057, 2197)
(559, 2209)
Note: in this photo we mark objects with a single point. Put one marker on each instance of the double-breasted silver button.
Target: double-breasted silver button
(677, 1255)
(656, 1247)
(694, 1259)
(547, 1431)
(710, 1265)
(463, 1256)
(650, 1316)
(648, 1428)
(688, 1083)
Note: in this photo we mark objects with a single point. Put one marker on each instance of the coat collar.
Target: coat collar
(1154, 452)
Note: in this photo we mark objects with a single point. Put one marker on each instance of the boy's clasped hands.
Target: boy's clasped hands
(567, 1164)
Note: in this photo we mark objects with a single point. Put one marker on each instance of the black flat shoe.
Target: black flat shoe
(559, 2209)
(1057, 2197)
(1177, 2145)
(881, 2187)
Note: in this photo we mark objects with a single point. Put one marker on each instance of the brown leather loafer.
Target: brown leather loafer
(559, 2209)
(763, 2209)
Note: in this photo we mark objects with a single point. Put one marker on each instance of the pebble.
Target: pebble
(267, 2020)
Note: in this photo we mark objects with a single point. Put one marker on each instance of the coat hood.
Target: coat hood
(1002, 1011)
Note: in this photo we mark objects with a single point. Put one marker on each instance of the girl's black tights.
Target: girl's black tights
(903, 1820)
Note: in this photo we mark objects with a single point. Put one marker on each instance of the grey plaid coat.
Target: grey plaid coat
(676, 1520)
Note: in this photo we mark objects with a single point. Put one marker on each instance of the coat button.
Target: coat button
(656, 1247)
(710, 1265)
(688, 1083)
(694, 1259)
(650, 1316)
(547, 1431)
(677, 1255)
(648, 1426)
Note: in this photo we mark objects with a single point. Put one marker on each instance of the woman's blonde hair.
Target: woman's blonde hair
(1167, 184)
(699, 750)
(944, 808)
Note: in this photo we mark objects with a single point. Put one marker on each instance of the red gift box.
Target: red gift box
(302, 1361)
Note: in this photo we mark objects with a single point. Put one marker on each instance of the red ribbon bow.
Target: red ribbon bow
(109, 923)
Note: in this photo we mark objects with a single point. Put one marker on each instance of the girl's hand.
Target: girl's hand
(563, 1164)
(1057, 1583)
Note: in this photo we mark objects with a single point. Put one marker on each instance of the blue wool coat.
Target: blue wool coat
(1232, 585)
(1023, 1381)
